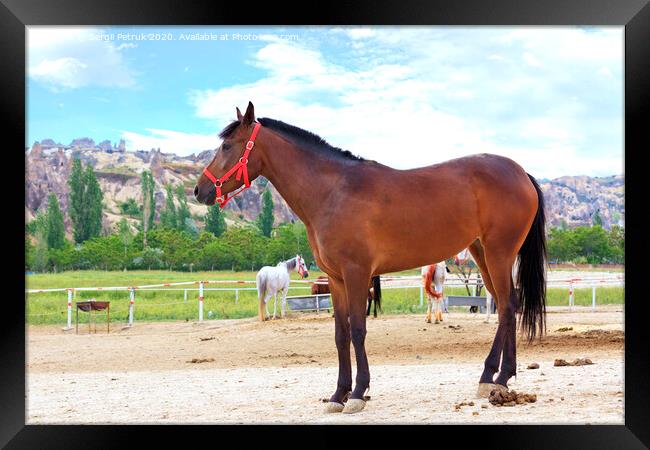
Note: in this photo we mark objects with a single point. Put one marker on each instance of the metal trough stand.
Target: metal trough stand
(466, 300)
(309, 302)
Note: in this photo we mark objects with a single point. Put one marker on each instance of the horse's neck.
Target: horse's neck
(303, 178)
(290, 264)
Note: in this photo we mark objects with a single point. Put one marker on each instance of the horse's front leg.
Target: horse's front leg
(342, 338)
(275, 302)
(356, 286)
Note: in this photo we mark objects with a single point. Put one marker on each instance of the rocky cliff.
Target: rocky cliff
(570, 199)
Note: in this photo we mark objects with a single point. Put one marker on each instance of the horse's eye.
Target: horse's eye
(225, 147)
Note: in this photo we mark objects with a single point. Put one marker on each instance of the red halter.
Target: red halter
(240, 168)
(299, 266)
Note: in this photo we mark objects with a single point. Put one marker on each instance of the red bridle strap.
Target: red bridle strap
(241, 169)
(299, 266)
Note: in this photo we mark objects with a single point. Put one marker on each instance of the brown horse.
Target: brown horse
(492, 205)
(320, 288)
(374, 292)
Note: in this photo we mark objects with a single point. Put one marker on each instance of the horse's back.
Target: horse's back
(276, 277)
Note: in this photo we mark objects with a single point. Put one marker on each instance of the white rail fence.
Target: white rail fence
(388, 282)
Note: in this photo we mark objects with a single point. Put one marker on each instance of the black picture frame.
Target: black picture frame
(634, 15)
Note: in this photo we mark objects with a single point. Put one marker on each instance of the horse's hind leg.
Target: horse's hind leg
(509, 359)
(476, 249)
(284, 301)
(500, 266)
(428, 319)
(267, 297)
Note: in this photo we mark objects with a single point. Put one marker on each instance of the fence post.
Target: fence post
(421, 297)
(570, 295)
(488, 305)
(201, 301)
(69, 327)
(131, 305)
(236, 296)
(593, 298)
(185, 296)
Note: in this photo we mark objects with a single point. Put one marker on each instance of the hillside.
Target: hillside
(118, 172)
(48, 165)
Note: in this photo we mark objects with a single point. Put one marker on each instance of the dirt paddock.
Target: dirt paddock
(245, 371)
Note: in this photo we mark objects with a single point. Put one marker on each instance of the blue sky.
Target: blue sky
(551, 98)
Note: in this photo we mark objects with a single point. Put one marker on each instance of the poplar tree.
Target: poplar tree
(148, 204)
(94, 198)
(214, 221)
(168, 215)
(76, 201)
(55, 230)
(183, 212)
(265, 219)
(126, 237)
(85, 200)
(597, 220)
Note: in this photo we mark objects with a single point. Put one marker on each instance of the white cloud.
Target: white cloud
(126, 45)
(62, 72)
(445, 94)
(605, 72)
(530, 59)
(169, 141)
(74, 57)
(360, 33)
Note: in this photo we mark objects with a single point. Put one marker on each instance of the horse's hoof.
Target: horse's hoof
(354, 405)
(333, 407)
(484, 389)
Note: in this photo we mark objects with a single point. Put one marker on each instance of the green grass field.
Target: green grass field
(168, 304)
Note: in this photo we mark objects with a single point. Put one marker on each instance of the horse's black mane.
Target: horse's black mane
(230, 128)
(297, 135)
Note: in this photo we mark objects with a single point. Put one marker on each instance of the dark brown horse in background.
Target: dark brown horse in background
(492, 205)
(374, 292)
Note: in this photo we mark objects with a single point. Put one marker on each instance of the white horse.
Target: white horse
(433, 277)
(270, 280)
(465, 257)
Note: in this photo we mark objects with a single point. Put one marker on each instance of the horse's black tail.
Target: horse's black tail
(376, 296)
(531, 276)
(376, 285)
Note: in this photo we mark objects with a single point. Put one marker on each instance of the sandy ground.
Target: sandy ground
(279, 371)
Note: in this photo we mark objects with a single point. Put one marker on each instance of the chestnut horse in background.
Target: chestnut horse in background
(433, 279)
(492, 205)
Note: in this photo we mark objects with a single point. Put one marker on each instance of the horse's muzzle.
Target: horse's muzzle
(305, 275)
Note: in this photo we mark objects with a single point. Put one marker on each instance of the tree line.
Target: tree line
(587, 244)
(172, 242)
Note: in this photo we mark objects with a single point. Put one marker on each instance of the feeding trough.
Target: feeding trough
(310, 302)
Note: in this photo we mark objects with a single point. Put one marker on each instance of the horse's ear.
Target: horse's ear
(249, 117)
(239, 115)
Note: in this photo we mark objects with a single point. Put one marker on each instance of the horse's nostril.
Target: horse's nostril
(196, 191)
